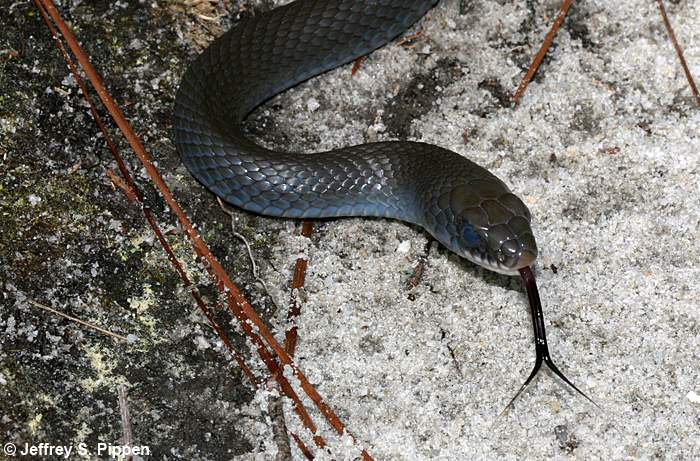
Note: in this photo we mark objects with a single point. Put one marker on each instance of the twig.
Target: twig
(127, 439)
(408, 40)
(543, 50)
(239, 236)
(679, 52)
(77, 320)
(275, 408)
(418, 271)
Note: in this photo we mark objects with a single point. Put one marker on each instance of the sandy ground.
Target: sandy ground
(604, 148)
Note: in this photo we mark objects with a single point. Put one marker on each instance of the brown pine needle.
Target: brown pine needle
(290, 336)
(290, 339)
(357, 65)
(305, 451)
(679, 52)
(543, 50)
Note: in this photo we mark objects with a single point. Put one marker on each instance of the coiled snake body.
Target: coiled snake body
(461, 204)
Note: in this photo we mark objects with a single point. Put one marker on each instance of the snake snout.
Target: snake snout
(516, 244)
(515, 255)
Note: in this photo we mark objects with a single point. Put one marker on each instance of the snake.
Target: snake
(461, 204)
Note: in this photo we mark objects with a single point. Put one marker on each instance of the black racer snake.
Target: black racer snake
(462, 205)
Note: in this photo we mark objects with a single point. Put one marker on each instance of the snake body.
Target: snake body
(461, 204)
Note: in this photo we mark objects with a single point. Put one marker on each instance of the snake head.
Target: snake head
(488, 225)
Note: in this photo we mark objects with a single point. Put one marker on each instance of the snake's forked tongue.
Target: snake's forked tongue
(541, 349)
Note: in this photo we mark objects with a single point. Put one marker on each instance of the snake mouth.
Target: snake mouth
(525, 259)
(506, 265)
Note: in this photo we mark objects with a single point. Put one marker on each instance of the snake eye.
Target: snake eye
(470, 236)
